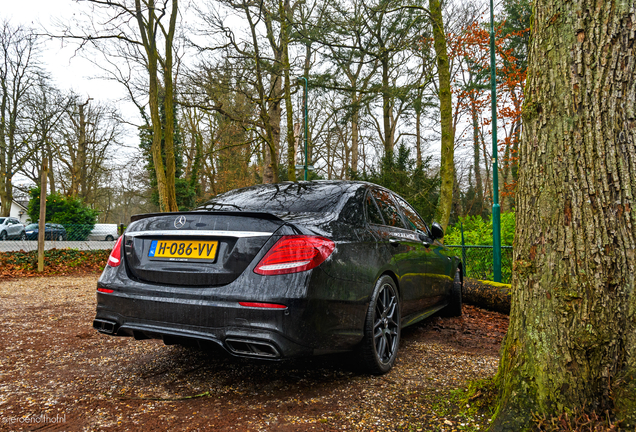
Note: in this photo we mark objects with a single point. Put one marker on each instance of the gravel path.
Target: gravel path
(57, 373)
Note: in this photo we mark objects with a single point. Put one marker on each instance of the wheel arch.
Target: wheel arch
(393, 276)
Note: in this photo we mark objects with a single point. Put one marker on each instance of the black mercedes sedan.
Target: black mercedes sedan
(281, 270)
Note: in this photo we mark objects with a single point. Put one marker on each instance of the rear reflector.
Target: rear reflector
(115, 256)
(263, 305)
(105, 290)
(292, 254)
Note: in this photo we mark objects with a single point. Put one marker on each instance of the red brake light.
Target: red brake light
(263, 305)
(115, 256)
(292, 254)
(105, 290)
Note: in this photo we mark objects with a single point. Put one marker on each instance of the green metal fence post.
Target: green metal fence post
(496, 218)
(461, 228)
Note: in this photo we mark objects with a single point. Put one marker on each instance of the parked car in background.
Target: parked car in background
(11, 228)
(282, 270)
(52, 231)
(107, 232)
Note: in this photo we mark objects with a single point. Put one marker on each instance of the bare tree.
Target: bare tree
(147, 28)
(19, 74)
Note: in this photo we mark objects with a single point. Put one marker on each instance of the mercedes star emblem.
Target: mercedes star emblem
(179, 222)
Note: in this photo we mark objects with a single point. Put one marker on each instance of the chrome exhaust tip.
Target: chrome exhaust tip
(251, 348)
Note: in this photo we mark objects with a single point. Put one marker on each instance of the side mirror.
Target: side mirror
(437, 231)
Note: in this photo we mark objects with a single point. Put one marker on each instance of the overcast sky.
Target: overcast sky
(68, 71)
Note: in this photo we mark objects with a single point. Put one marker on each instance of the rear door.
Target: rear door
(14, 227)
(401, 244)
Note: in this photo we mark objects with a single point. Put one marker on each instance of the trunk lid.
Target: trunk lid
(195, 248)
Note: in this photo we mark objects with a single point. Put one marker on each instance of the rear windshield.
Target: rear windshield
(276, 198)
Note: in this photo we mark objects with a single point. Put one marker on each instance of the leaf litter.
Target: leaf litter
(53, 363)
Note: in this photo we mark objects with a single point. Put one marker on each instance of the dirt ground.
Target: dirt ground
(58, 374)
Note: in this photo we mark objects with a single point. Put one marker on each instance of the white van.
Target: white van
(106, 232)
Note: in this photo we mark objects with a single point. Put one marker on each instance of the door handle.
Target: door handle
(394, 242)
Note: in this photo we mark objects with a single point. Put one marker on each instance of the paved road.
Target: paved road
(29, 245)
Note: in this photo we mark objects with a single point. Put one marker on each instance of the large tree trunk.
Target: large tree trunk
(147, 31)
(355, 119)
(571, 344)
(387, 108)
(447, 166)
(476, 164)
(285, 14)
(171, 191)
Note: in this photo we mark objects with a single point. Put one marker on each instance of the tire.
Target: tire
(109, 238)
(454, 308)
(60, 237)
(3, 236)
(379, 346)
(23, 236)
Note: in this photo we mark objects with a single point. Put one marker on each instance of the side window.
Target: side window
(373, 214)
(414, 220)
(388, 209)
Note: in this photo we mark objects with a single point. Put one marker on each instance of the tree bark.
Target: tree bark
(447, 167)
(476, 164)
(571, 344)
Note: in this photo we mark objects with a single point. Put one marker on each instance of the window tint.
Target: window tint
(292, 197)
(413, 220)
(373, 214)
(388, 209)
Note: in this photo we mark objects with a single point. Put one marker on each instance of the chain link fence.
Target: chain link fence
(477, 261)
(61, 236)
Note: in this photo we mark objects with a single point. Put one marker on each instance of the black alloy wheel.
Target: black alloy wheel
(382, 328)
(22, 235)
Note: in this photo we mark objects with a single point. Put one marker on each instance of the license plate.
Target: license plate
(179, 249)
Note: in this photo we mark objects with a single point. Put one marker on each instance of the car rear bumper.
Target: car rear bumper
(311, 323)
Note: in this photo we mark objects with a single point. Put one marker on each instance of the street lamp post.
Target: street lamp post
(305, 117)
(496, 211)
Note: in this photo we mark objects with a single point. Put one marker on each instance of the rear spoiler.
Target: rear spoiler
(260, 215)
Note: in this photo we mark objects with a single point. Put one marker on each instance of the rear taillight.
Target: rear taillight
(263, 305)
(292, 254)
(115, 256)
